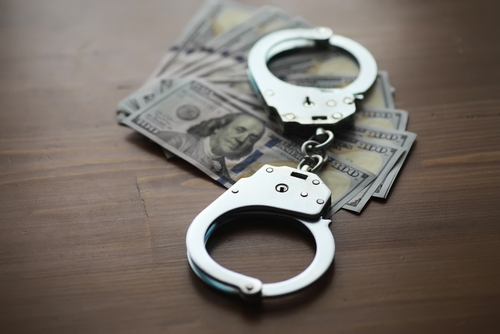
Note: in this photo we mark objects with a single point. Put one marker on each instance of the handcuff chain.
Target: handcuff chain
(314, 150)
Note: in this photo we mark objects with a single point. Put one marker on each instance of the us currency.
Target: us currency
(239, 51)
(230, 66)
(189, 64)
(402, 139)
(240, 39)
(216, 17)
(211, 51)
(239, 84)
(146, 92)
(266, 20)
(239, 88)
(382, 90)
(240, 43)
(220, 52)
(224, 47)
(213, 19)
(377, 158)
(202, 126)
(390, 119)
(344, 179)
(143, 96)
(250, 100)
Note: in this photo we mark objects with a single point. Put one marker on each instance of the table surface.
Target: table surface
(93, 218)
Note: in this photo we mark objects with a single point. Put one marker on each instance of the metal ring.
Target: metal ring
(287, 99)
(288, 39)
(327, 142)
(309, 144)
(252, 195)
(251, 288)
(320, 160)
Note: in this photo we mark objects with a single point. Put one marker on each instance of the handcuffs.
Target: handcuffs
(297, 194)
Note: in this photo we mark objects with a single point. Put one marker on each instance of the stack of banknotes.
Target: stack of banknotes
(199, 106)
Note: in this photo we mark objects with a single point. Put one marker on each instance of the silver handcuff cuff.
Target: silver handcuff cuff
(297, 194)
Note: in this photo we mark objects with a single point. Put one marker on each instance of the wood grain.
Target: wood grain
(93, 219)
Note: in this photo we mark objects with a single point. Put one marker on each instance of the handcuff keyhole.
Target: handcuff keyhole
(308, 103)
(281, 188)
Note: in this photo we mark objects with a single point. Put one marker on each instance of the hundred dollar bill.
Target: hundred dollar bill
(249, 36)
(377, 158)
(143, 96)
(193, 64)
(230, 66)
(204, 127)
(221, 48)
(248, 99)
(381, 94)
(159, 86)
(390, 119)
(214, 18)
(264, 21)
(146, 92)
(344, 179)
(210, 52)
(239, 88)
(239, 84)
(402, 139)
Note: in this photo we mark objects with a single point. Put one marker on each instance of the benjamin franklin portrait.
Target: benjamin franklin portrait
(212, 141)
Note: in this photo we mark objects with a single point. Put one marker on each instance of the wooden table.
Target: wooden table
(93, 218)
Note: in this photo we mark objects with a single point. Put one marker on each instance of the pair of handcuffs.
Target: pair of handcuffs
(297, 194)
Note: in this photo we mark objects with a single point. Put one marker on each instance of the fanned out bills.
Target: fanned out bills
(227, 141)
(199, 105)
